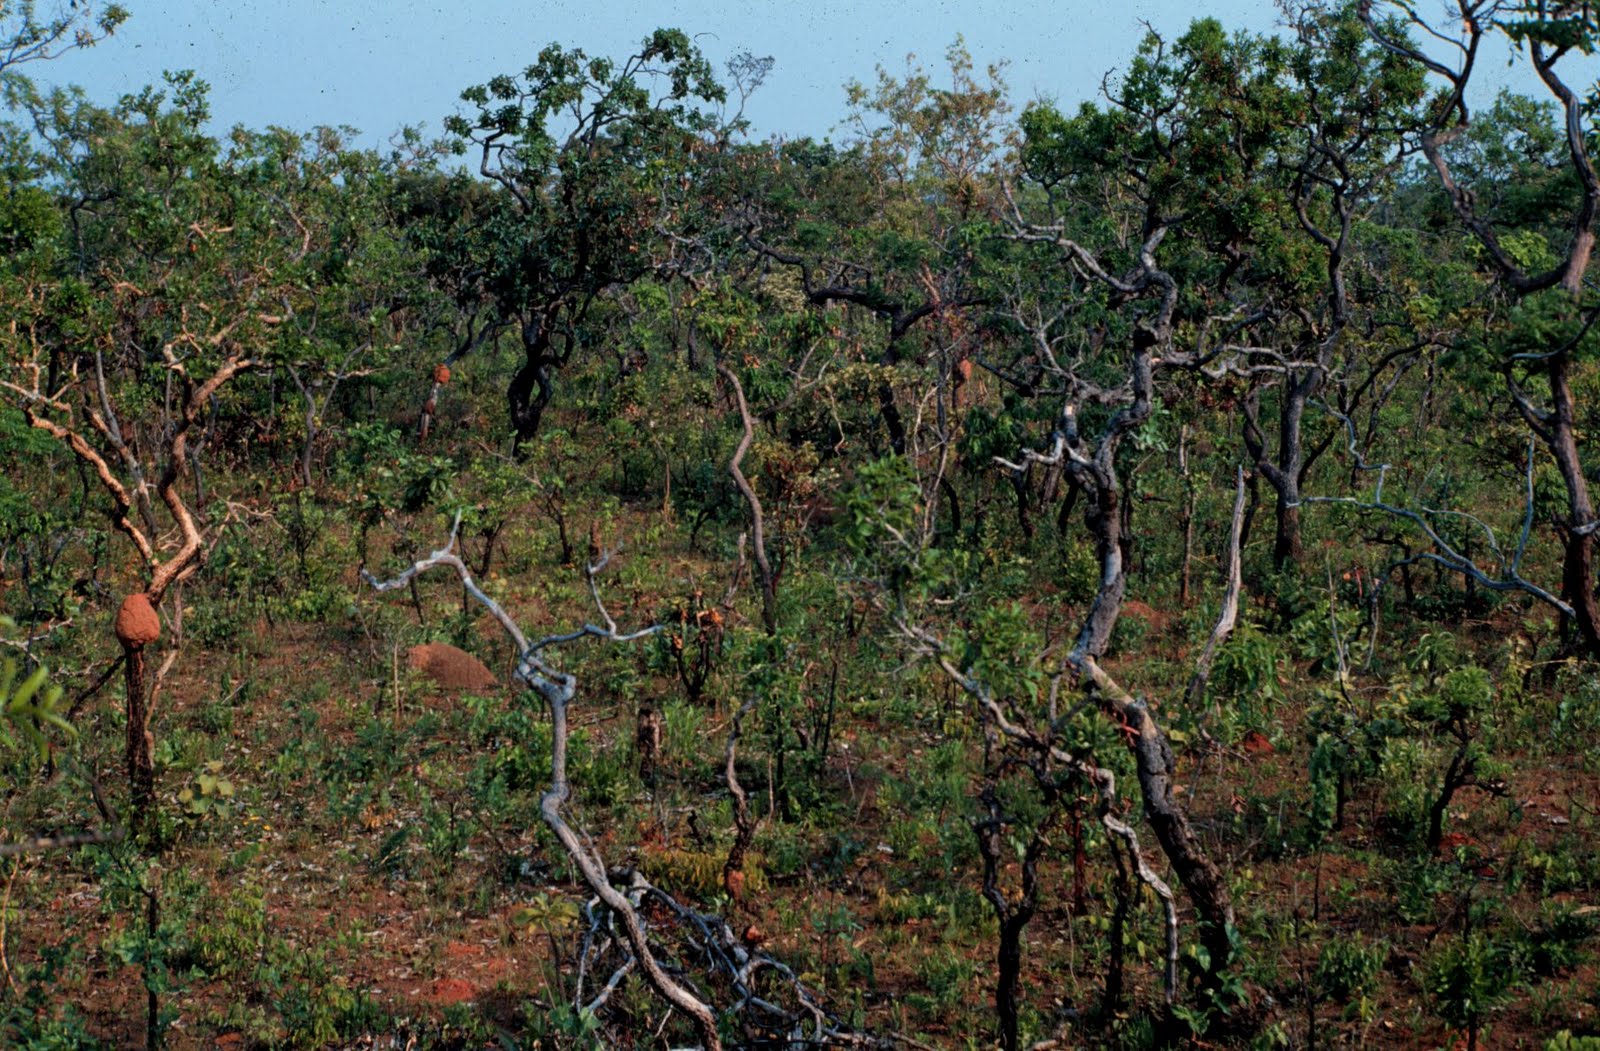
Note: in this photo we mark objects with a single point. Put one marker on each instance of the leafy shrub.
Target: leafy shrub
(1418, 887)
(1558, 941)
(1466, 980)
(1347, 967)
(1565, 1041)
(1078, 571)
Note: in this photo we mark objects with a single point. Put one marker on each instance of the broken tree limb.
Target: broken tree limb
(558, 689)
(727, 957)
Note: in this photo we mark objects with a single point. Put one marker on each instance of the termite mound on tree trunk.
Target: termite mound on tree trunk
(137, 626)
(137, 623)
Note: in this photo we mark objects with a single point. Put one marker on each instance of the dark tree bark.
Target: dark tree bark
(647, 743)
(743, 822)
(1577, 575)
(1286, 467)
(1286, 545)
(1008, 961)
(140, 762)
(528, 396)
(1186, 517)
(1012, 914)
(1092, 466)
(952, 500)
(1116, 937)
(893, 423)
(1019, 487)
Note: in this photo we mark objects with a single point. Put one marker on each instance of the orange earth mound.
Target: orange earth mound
(450, 667)
(137, 623)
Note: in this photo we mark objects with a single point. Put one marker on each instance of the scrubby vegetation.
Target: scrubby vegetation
(1110, 578)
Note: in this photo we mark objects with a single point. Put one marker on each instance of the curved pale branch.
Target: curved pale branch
(558, 689)
(1104, 781)
(1228, 615)
(1445, 553)
(769, 594)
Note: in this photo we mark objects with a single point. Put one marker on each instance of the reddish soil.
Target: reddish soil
(1155, 619)
(451, 991)
(1256, 743)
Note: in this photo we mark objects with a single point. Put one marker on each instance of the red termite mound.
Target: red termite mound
(450, 667)
(137, 623)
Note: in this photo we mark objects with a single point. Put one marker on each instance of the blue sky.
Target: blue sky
(380, 65)
(377, 66)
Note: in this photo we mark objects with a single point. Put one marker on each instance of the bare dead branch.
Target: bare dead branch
(42, 843)
(1508, 575)
(1228, 614)
(558, 690)
(769, 592)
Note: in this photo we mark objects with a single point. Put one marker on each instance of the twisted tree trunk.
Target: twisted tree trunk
(1577, 573)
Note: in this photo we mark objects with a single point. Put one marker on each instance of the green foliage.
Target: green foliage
(882, 507)
(27, 36)
(1463, 694)
(1348, 967)
(38, 1021)
(583, 149)
(1465, 979)
(1419, 886)
(30, 710)
(999, 650)
(1557, 942)
(209, 792)
(1578, 711)
(947, 975)
(1247, 670)
(1217, 994)
(613, 228)
(1078, 574)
